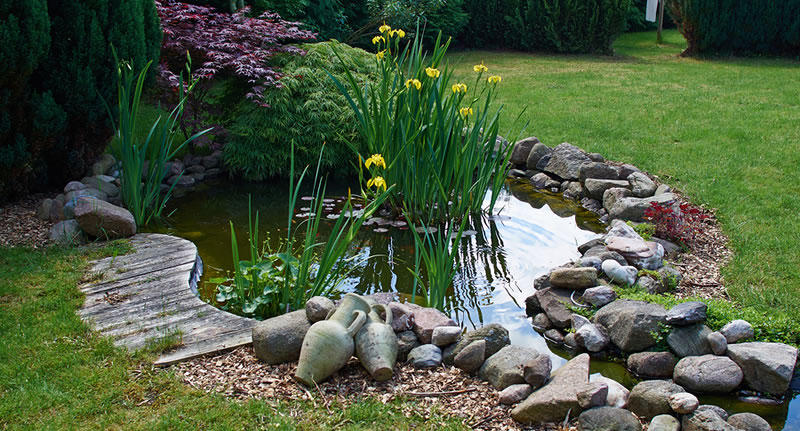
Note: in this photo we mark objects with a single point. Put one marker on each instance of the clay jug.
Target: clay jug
(329, 344)
(376, 344)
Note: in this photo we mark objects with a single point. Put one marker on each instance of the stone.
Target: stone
(707, 374)
(623, 275)
(554, 336)
(198, 176)
(504, 368)
(664, 423)
(540, 180)
(593, 394)
(670, 277)
(318, 307)
(104, 220)
(211, 161)
(583, 248)
(213, 172)
(633, 209)
(705, 420)
(541, 281)
(591, 338)
(471, 358)
(495, 335)
(683, 403)
(565, 161)
(719, 411)
(612, 196)
(552, 402)
(718, 343)
(617, 394)
(196, 169)
(181, 181)
(532, 306)
(402, 316)
(687, 313)
(538, 151)
(278, 340)
(596, 157)
(444, 336)
(658, 365)
(593, 205)
(598, 170)
(641, 185)
(536, 371)
(749, 422)
(670, 248)
(599, 296)
(767, 367)
(608, 419)
(555, 309)
(596, 188)
(627, 169)
(578, 321)
(514, 393)
(573, 278)
(406, 341)
(103, 164)
(425, 356)
(543, 161)
(653, 262)
(650, 284)
(74, 186)
(426, 320)
(689, 340)
(67, 233)
(104, 186)
(651, 398)
(87, 192)
(522, 149)
(542, 322)
(569, 340)
(631, 324)
(663, 188)
(572, 190)
(737, 330)
(516, 173)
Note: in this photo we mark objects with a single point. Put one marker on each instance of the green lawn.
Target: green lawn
(726, 131)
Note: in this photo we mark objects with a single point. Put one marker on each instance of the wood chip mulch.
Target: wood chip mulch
(19, 225)
(238, 374)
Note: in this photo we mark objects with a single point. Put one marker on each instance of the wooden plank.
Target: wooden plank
(155, 318)
(224, 342)
(136, 304)
(143, 280)
(147, 263)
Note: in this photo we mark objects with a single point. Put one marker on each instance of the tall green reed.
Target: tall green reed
(438, 135)
(144, 161)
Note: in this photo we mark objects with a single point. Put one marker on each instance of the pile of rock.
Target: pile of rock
(92, 207)
(611, 190)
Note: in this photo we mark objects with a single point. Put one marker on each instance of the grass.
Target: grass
(57, 374)
(726, 131)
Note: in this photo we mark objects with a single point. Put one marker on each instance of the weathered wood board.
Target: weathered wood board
(143, 296)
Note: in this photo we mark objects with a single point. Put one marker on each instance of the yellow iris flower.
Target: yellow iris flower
(378, 182)
(415, 82)
(384, 28)
(431, 72)
(465, 112)
(459, 88)
(376, 159)
(380, 54)
(377, 39)
(400, 33)
(494, 79)
(480, 68)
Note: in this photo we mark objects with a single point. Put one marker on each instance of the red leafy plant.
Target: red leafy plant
(682, 224)
(222, 45)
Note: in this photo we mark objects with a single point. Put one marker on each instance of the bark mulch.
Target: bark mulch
(19, 225)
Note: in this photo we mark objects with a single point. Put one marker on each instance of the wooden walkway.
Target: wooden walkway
(145, 296)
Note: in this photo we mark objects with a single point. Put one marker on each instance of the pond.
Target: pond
(531, 232)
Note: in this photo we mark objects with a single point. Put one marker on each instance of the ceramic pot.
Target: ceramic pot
(329, 344)
(376, 344)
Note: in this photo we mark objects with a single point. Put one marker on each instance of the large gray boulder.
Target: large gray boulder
(705, 420)
(592, 338)
(425, 356)
(552, 402)
(406, 342)
(749, 422)
(707, 374)
(687, 313)
(428, 319)
(618, 395)
(612, 196)
(596, 188)
(599, 296)
(495, 335)
(514, 393)
(634, 208)
(664, 423)
(471, 358)
(554, 307)
(598, 170)
(651, 398)
(318, 307)
(565, 161)
(504, 368)
(278, 340)
(737, 330)
(537, 371)
(103, 164)
(631, 324)
(641, 185)
(538, 152)
(522, 149)
(67, 233)
(767, 367)
(690, 340)
(608, 419)
(573, 278)
(104, 220)
(657, 365)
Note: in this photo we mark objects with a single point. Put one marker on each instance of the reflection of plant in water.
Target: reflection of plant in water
(270, 284)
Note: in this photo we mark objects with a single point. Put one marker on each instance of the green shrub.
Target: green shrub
(308, 109)
(749, 27)
(55, 70)
(487, 23)
(568, 26)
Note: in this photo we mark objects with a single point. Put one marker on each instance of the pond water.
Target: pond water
(531, 233)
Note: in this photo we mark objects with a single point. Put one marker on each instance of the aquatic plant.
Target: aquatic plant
(273, 283)
(143, 162)
(438, 136)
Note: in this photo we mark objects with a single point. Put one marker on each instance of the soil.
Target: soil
(19, 226)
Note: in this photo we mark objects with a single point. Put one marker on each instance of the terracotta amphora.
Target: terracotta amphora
(376, 344)
(329, 344)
